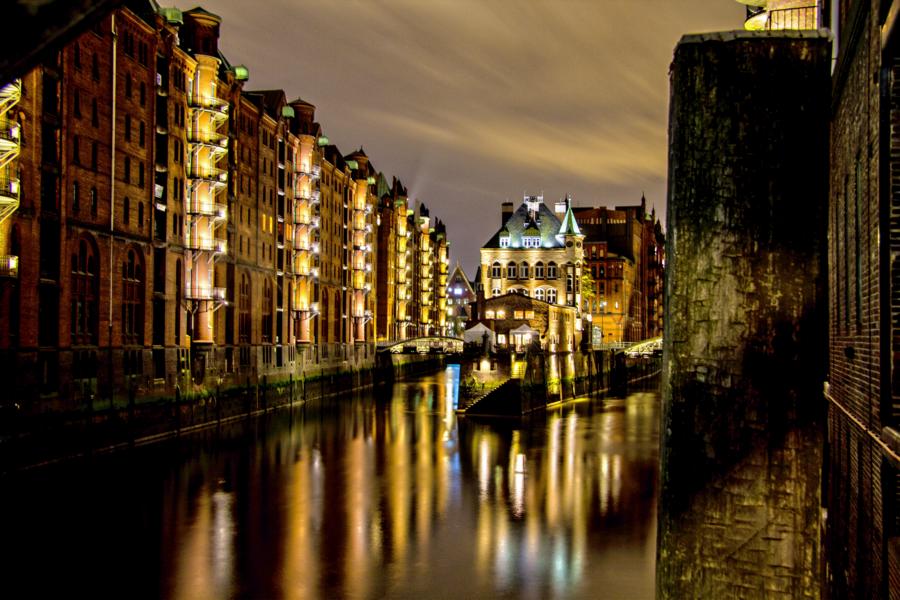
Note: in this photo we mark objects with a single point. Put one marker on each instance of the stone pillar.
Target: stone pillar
(744, 348)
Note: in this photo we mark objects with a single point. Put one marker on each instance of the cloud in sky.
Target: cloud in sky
(471, 102)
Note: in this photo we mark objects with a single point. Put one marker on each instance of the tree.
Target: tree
(588, 289)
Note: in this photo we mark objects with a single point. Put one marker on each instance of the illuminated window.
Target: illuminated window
(489, 314)
(529, 314)
(519, 314)
(539, 294)
(501, 314)
(504, 241)
(531, 242)
(501, 339)
(551, 296)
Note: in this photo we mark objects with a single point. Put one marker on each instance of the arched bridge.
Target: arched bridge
(645, 348)
(433, 344)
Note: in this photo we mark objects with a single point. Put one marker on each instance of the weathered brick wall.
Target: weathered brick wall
(744, 349)
(858, 258)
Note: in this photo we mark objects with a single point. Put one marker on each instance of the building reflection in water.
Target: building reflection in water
(397, 496)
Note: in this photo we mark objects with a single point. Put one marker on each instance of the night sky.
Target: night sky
(472, 102)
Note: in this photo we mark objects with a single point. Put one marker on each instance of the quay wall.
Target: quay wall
(743, 357)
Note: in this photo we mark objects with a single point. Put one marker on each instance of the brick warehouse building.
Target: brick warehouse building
(863, 451)
(164, 229)
(624, 250)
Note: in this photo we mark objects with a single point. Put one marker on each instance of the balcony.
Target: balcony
(313, 172)
(215, 141)
(206, 244)
(205, 292)
(217, 106)
(790, 17)
(9, 196)
(204, 173)
(216, 210)
(10, 94)
(9, 266)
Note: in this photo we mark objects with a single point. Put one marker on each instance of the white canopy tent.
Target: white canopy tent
(476, 335)
(523, 335)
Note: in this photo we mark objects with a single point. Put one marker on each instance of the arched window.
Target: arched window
(132, 299)
(539, 270)
(539, 294)
(511, 270)
(523, 270)
(244, 310)
(268, 300)
(551, 270)
(85, 308)
(551, 296)
(140, 220)
(496, 270)
(126, 211)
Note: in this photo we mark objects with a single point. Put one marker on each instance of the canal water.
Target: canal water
(386, 494)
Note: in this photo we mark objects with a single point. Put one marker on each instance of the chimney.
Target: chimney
(506, 212)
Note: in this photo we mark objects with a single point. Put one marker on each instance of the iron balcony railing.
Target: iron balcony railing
(210, 103)
(206, 244)
(794, 17)
(207, 173)
(208, 138)
(9, 188)
(205, 292)
(208, 209)
(9, 266)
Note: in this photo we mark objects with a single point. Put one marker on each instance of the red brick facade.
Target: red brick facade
(176, 231)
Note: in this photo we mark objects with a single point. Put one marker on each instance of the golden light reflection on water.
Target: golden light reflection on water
(397, 497)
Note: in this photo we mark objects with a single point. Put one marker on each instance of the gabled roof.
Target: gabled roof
(544, 221)
(462, 276)
(269, 101)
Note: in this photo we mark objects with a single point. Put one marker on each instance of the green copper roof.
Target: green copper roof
(569, 224)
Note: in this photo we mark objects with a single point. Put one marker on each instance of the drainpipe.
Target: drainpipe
(112, 203)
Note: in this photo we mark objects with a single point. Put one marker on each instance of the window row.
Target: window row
(546, 294)
(523, 270)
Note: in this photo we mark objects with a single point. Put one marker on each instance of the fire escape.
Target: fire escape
(204, 206)
(10, 95)
(306, 215)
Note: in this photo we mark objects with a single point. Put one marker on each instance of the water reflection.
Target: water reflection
(388, 496)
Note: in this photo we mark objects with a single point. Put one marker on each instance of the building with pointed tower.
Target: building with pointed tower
(536, 252)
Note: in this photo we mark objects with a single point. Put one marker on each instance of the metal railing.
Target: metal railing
(209, 209)
(207, 173)
(204, 292)
(795, 17)
(9, 266)
(208, 138)
(206, 244)
(208, 103)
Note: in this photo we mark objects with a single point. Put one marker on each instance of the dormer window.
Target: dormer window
(530, 241)
(504, 240)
